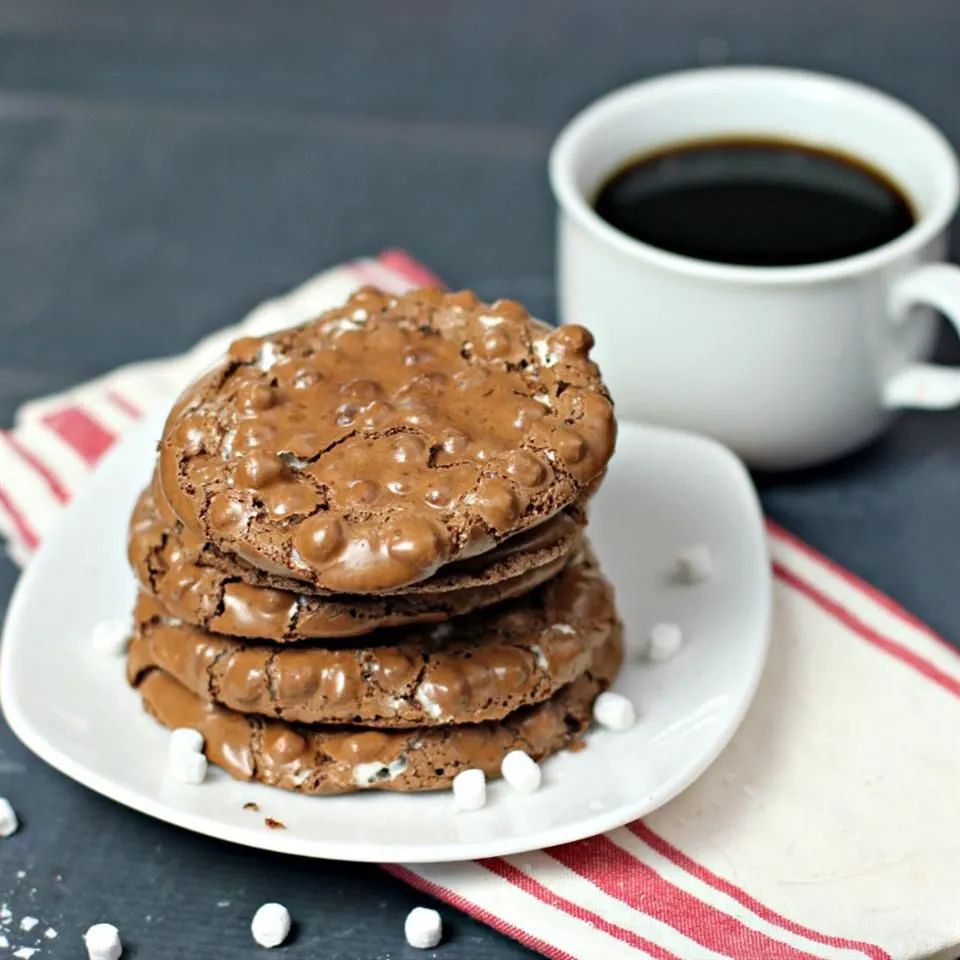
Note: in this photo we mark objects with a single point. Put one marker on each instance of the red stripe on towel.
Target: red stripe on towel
(24, 530)
(80, 431)
(52, 481)
(881, 599)
(680, 859)
(868, 633)
(620, 874)
(455, 900)
(526, 883)
(122, 403)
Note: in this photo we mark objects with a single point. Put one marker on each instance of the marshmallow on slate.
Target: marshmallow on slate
(521, 771)
(110, 637)
(102, 941)
(693, 565)
(8, 818)
(613, 711)
(270, 925)
(185, 740)
(469, 790)
(187, 766)
(665, 640)
(423, 928)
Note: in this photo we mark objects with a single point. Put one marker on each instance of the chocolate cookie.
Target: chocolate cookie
(364, 450)
(329, 760)
(176, 567)
(480, 667)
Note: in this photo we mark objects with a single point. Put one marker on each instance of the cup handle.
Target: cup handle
(926, 386)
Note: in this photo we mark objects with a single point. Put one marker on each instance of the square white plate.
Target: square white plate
(664, 491)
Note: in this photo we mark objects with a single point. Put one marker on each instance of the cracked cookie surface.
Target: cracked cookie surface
(178, 568)
(480, 667)
(365, 450)
(330, 760)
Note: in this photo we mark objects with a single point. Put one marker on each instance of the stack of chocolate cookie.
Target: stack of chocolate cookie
(361, 556)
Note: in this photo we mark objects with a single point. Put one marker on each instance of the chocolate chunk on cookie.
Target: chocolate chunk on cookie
(365, 450)
(480, 667)
(330, 760)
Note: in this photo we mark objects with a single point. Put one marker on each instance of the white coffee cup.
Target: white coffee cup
(789, 366)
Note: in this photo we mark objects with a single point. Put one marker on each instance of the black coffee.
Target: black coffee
(763, 203)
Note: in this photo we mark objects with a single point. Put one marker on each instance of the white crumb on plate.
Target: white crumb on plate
(666, 639)
(694, 564)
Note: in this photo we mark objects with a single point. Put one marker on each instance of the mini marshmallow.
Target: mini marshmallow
(102, 941)
(665, 640)
(187, 766)
(109, 638)
(8, 818)
(613, 711)
(469, 790)
(185, 740)
(521, 771)
(270, 925)
(694, 564)
(423, 928)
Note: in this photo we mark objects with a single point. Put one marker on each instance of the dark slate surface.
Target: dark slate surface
(165, 166)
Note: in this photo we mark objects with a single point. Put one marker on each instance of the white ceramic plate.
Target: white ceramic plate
(664, 491)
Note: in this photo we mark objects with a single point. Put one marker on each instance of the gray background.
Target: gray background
(165, 166)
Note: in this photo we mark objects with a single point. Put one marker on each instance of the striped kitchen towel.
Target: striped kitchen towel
(829, 827)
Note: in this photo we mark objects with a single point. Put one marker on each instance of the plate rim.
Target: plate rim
(364, 852)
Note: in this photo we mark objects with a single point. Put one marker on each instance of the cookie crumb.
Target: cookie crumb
(50, 934)
(250, 805)
(28, 923)
(274, 824)
(25, 953)
(577, 745)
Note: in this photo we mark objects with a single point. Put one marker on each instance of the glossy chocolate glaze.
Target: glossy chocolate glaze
(330, 760)
(365, 450)
(476, 668)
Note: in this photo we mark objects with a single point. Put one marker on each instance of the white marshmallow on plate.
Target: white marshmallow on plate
(270, 925)
(614, 711)
(109, 637)
(666, 639)
(187, 766)
(185, 740)
(102, 941)
(8, 818)
(521, 771)
(469, 790)
(423, 928)
(694, 564)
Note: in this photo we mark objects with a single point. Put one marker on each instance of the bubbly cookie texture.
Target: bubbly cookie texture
(176, 567)
(363, 451)
(331, 760)
(479, 667)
